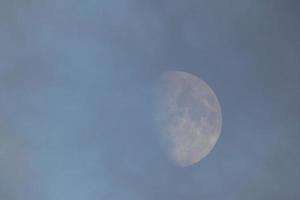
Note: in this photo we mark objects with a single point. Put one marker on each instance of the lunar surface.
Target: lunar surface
(189, 117)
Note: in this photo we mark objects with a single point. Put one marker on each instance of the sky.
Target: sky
(77, 81)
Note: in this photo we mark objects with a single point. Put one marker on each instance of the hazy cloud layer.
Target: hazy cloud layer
(76, 98)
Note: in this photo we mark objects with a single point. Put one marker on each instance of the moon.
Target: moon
(188, 115)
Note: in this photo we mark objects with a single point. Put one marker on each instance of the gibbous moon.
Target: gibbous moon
(189, 117)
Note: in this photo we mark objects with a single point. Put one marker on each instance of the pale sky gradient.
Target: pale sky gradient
(76, 98)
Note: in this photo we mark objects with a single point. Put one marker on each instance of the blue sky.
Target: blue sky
(77, 80)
